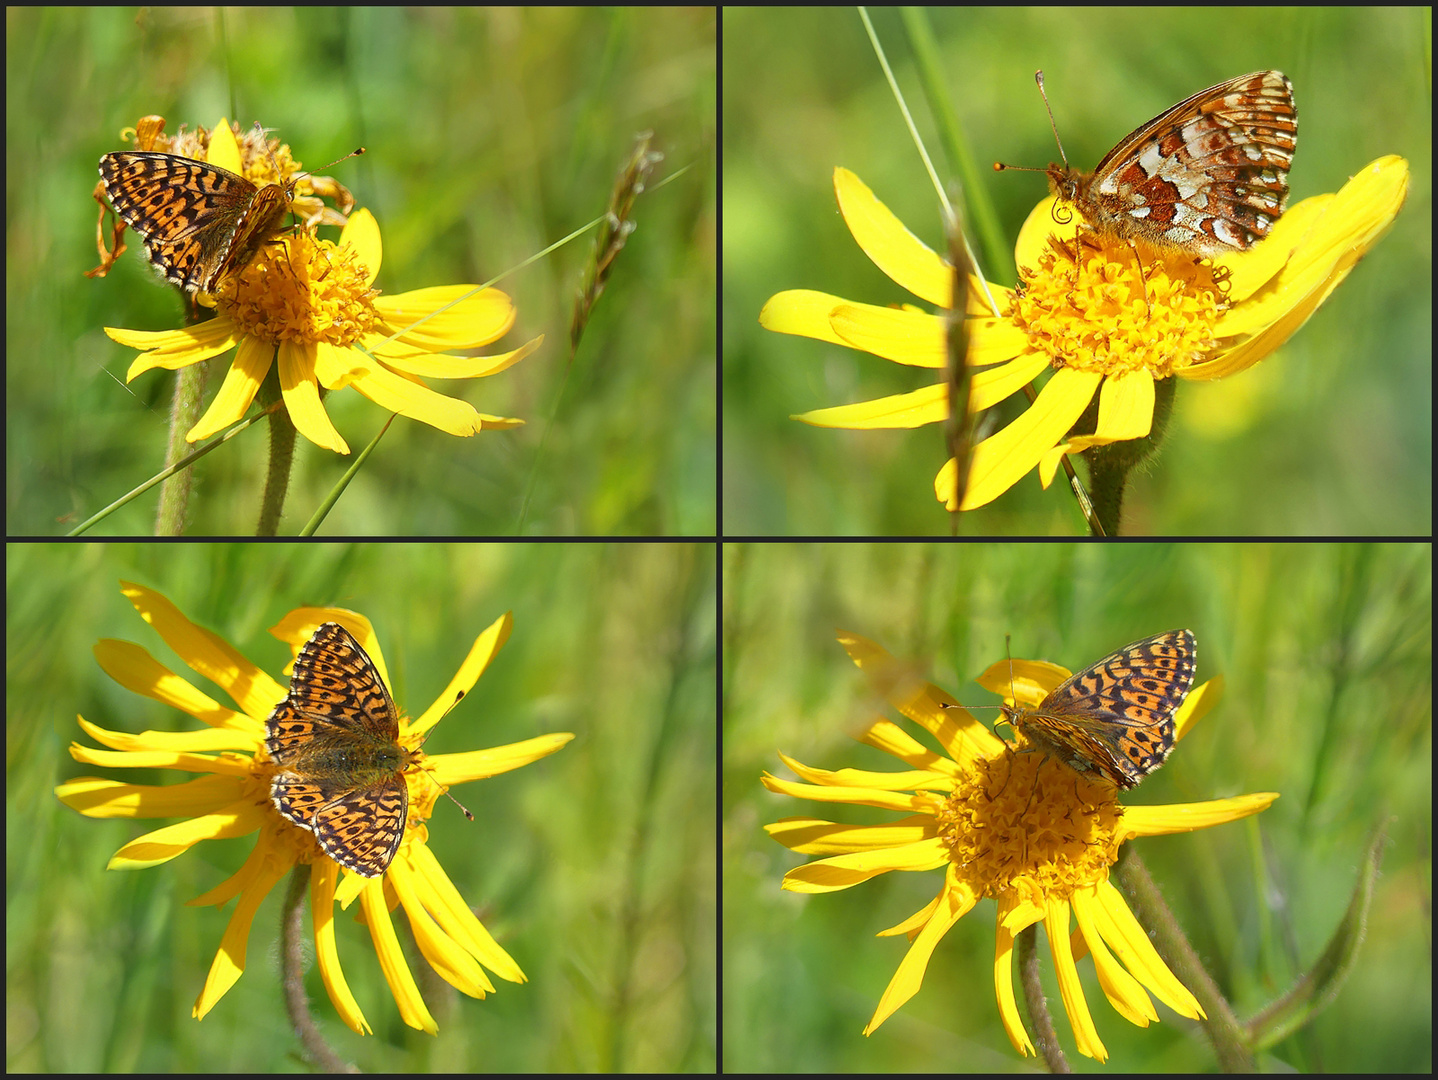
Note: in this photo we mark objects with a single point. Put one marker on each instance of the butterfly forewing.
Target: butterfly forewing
(1115, 717)
(1155, 673)
(199, 222)
(1208, 176)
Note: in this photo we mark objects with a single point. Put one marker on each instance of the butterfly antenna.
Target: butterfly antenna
(1039, 78)
(445, 792)
(458, 697)
(1000, 167)
(1008, 650)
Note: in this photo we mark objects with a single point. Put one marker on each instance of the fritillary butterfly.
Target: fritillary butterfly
(1115, 718)
(1208, 176)
(199, 222)
(335, 739)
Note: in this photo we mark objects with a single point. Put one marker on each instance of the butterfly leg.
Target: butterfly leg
(1142, 277)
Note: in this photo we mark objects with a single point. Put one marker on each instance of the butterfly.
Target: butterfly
(1208, 176)
(1115, 717)
(335, 742)
(200, 223)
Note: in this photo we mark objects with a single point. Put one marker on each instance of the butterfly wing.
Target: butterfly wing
(1209, 175)
(1116, 716)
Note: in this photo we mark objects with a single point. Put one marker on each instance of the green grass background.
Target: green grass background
(1326, 651)
(490, 135)
(1331, 435)
(593, 867)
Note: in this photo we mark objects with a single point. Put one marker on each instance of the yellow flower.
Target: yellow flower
(231, 796)
(1023, 829)
(313, 304)
(1112, 333)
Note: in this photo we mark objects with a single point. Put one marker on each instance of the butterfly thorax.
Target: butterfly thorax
(1031, 723)
(356, 763)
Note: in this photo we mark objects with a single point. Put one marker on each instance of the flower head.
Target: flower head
(255, 773)
(1023, 829)
(313, 305)
(1112, 320)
